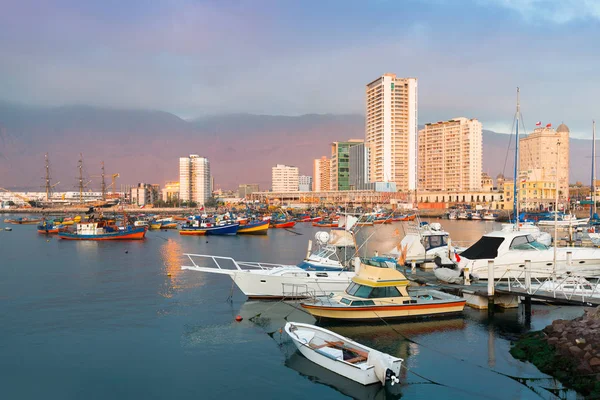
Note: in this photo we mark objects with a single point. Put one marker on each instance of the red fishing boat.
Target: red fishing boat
(283, 224)
(326, 224)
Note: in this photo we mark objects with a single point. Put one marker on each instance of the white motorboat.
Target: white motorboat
(489, 216)
(540, 236)
(510, 249)
(265, 280)
(334, 252)
(476, 216)
(452, 215)
(463, 215)
(422, 243)
(344, 356)
(564, 220)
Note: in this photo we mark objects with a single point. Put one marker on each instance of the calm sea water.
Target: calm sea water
(98, 320)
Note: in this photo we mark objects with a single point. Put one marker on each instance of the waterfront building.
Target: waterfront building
(451, 155)
(305, 183)
(321, 174)
(330, 197)
(391, 130)
(246, 189)
(170, 193)
(144, 194)
(284, 178)
(536, 191)
(340, 160)
(487, 183)
(443, 200)
(194, 179)
(500, 182)
(358, 161)
(538, 152)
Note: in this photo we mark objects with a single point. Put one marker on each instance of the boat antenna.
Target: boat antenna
(103, 183)
(48, 186)
(593, 185)
(80, 166)
(556, 211)
(515, 187)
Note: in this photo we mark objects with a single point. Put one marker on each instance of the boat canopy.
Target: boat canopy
(341, 238)
(484, 248)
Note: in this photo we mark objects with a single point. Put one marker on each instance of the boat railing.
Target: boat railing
(300, 290)
(566, 285)
(222, 262)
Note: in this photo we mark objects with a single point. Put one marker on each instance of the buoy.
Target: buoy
(207, 241)
(239, 318)
(47, 240)
(126, 251)
(168, 274)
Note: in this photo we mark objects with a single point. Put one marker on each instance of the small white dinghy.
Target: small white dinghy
(344, 356)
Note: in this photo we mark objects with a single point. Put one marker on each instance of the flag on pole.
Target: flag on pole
(549, 126)
(539, 123)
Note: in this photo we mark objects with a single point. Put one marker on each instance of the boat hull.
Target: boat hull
(224, 230)
(287, 224)
(370, 313)
(258, 228)
(135, 234)
(327, 225)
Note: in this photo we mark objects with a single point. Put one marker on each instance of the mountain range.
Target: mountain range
(144, 145)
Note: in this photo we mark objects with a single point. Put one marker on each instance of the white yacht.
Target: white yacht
(510, 249)
(423, 243)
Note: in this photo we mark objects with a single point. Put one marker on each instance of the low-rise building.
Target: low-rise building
(246, 189)
(170, 193)
(144, 194)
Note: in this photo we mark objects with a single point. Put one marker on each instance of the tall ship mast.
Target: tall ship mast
(518, 116)
(593, 185)
(103, 183)
(80, 166)
(48, 185)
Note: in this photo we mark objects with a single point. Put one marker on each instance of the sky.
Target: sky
(294, 57)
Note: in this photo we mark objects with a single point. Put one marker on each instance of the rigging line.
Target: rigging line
(517, 379)
(509, 143)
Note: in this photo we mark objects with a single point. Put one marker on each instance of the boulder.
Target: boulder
(552, 341)
(575, 351)
(584, 368)
(587, 355)
(594, 362)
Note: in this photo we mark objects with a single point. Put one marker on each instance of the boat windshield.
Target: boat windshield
(526, 243)
(484, 248)
(367, 292)
(434, 241)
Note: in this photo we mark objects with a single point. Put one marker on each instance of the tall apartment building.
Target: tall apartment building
(537, 151)
(305, 183)
(322, 174)
(340, 164)
(391, 130)
(451, 155)
(284, 178)
(194, 179)
(359, 167)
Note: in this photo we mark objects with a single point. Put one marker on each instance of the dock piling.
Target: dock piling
(528, 276)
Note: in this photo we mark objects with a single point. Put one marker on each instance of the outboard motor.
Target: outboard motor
(391, 377)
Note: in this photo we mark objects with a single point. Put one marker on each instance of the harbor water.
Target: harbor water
(121, 320)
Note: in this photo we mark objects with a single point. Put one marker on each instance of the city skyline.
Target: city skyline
(177, 57)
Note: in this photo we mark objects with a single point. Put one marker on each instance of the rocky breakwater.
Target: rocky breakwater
(569, 350)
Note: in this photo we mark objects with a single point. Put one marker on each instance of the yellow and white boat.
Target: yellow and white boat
(382, 293)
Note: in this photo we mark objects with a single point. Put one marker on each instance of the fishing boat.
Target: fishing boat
(51, 227)
(23, 221)
(382, 293)
(155, 225)
(344, 356)
(463, 215)
(209, 226)
(404, 217)
(168, 225)
(452, 215)
(476, 216)
(282, 224)
(316, 219)
(100, 230)
(271, 281)
(381, 221)
(326, 223)
(255, 227)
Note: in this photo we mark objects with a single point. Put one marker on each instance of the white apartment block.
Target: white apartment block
(451, 155)
(321, 174)
(284, 178)
(194, 179)
(537, 152)
(391, 130)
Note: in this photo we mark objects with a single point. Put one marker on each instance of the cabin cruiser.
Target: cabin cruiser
(334, 250)
(509, 249)
(423, 243)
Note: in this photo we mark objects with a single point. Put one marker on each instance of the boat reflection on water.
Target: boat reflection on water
(272, 316)
(355, 390)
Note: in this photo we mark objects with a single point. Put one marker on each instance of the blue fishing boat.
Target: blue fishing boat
(209, 226)
(100, 230)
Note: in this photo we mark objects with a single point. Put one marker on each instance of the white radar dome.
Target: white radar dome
(322, 237)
